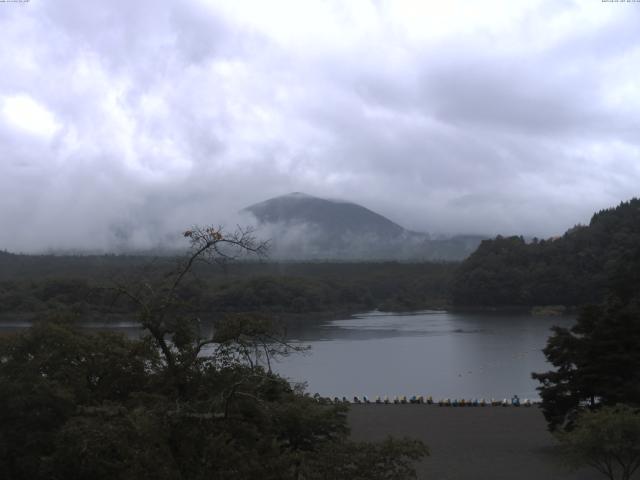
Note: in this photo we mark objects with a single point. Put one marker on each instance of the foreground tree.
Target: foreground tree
(607, 439)
(597, 361)
(176, 404)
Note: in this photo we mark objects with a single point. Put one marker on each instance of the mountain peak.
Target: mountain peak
(334, 217)
(306, 196)
(304, 226)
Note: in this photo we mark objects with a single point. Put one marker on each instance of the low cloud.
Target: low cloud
(123, 123)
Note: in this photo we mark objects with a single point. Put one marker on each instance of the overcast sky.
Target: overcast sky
(478, 116)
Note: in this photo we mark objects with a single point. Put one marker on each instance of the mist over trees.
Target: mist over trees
(304, 227)
(161, 407)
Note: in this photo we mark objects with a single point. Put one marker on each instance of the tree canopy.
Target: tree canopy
(597, 361)
(574, 269)
(607, 439)
(75, 405)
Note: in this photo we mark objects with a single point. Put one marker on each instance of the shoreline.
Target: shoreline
(312, 317)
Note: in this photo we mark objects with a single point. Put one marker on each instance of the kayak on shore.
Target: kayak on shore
(428, 400)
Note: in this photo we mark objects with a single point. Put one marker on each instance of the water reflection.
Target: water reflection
(429, 353)
(439, 353)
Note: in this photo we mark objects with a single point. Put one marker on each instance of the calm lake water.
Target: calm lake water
(443, 354)
(436, 353)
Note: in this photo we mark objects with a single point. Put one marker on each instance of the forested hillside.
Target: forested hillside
(36, 284)
(571, 270)
(574, 269)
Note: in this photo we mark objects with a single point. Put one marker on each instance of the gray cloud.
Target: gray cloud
(123, 123)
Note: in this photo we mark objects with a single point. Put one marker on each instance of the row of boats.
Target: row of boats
(445, 402)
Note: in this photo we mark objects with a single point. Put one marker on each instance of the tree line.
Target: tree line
(575, 269)
(80, 285)
(75, 405)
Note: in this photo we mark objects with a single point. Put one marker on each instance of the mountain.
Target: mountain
(335, 217)
(578, 268)
(304, 226)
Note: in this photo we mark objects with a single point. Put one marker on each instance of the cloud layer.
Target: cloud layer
(123, 122)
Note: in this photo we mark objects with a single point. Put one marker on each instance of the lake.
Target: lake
(438, 353)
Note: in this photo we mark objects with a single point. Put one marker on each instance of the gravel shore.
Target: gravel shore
(473, 443)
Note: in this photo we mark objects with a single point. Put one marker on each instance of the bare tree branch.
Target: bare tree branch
(156, 301)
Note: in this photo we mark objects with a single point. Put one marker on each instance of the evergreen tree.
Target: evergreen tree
(575, 269)
(597, 361)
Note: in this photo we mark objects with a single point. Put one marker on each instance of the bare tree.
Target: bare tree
(159, 305)
(253, 339)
